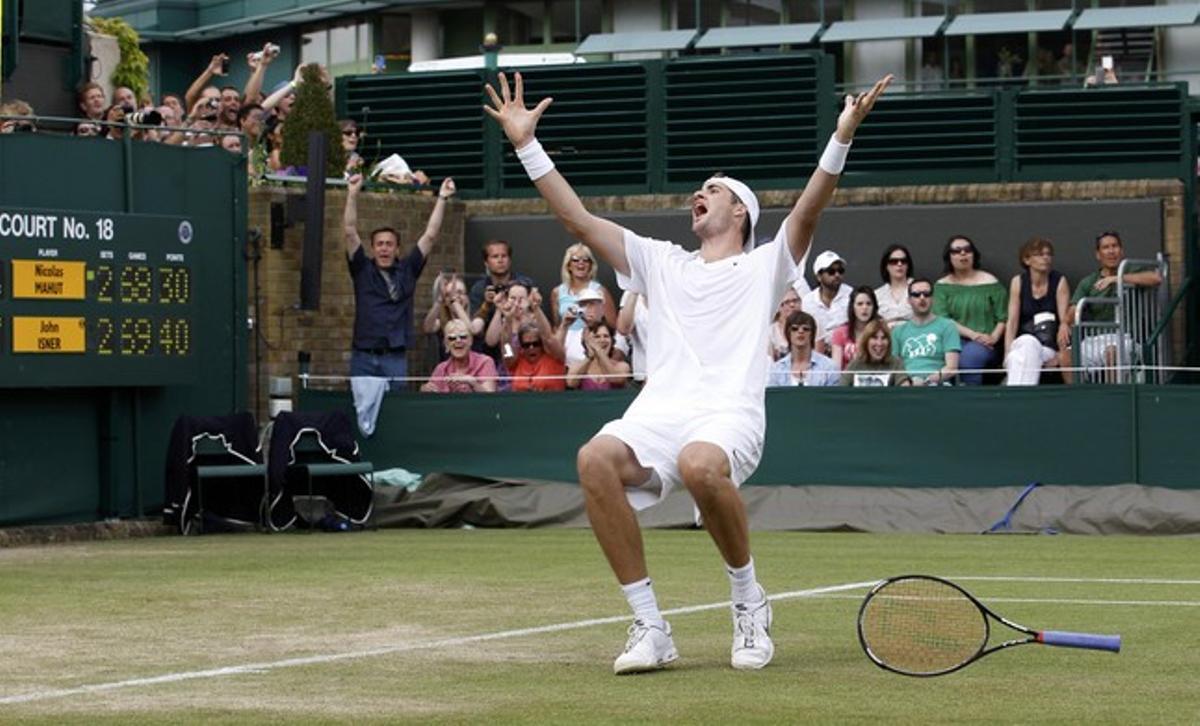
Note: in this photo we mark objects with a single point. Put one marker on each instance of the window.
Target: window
(337, 44)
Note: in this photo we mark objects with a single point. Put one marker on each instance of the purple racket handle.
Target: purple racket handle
(1090, 641)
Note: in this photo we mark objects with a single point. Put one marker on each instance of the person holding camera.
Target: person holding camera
(1038, 300)
(384, 284)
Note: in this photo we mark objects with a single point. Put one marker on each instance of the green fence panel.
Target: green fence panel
(1103, 132)
(433, 120)
(987, 436)
(755, 118)
(595, 131)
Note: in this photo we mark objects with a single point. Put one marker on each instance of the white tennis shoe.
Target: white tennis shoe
(649, 648)
(752, 646)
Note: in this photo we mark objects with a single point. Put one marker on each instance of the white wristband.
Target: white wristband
(537, 163)
(833, 160)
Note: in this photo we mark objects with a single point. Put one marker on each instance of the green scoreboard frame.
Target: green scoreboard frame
(102, 299)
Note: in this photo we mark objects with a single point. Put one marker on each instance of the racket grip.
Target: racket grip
(1090, 641)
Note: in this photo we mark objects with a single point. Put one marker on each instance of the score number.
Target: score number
(137, 335)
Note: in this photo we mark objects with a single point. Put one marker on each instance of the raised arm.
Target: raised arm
(802, 222)
(350, 215)
(259, 62)
(434, 225)
(213, 69)
(603, 237)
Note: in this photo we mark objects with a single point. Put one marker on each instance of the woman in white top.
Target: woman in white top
(777, 342)
(896, 269)
(578, 274)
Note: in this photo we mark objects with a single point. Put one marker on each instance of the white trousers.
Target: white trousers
(1025, 360)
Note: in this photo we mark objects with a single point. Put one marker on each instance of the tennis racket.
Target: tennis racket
(919, 625)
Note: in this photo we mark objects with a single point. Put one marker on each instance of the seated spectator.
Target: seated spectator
(351, 136)
(977, 304)
(464, 371)
(1100, 351)
(91, 100)
(115, 128)
(518, 306)
(929, 345)
(896, 270)
(777, 342)
(578, 274)
(633, 323)
(827, 302)
(600, 370)
(861, 310)
(534, 367)
(873, 364)
(803, 365)
(87, 128)
(232, 143)
(1038, 299)
(590, 304)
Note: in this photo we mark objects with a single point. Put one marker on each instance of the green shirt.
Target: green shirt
(923, 347)
(1087, 288)
(978, 307)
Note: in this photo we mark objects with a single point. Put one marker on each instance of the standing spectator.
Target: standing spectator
(384, 286)
(977, 303)
(633, 322)
(1101, 350)
(124, 97)
(91, 100)
(896, 270)
(600, 369)
(803, 365)
(351, 136)
(258, 61)
(578, 274)
(176, 105)
(873, 364)
(928, 345)
(464, 371)
(202, 87)
(115, 128)
(777, 340)
(861, 310)
(535, 368)
(828, 301)
(1038, 299)
(227, 112)
(17, 107)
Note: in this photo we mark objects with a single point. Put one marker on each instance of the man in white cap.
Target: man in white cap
(829, 301)
(700, 419)
(591, 309)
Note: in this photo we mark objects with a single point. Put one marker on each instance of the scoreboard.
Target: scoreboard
(98, 299)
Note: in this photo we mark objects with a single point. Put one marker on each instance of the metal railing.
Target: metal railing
(1122, 338)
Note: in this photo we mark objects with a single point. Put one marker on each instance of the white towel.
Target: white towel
(368, 397)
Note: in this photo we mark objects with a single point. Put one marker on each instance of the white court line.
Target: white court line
(386, 650)
(1054, 601)
(1087, 580)
(249, 668)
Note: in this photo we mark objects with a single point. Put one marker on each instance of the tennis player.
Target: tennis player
(700, 419)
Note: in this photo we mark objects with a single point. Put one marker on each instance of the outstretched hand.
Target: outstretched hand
(857, 107)
(509, 110)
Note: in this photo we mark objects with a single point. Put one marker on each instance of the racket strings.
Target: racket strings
(922, 626)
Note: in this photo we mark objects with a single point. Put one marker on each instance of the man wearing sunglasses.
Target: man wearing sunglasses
(928, 345)
(700, 420)
(828, 302)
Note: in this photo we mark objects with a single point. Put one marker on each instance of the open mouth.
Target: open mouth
(699, 209)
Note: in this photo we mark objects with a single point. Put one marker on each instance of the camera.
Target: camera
(224, 66)
(213, 103)
(270, 50)
(574, 311)
(149, 117)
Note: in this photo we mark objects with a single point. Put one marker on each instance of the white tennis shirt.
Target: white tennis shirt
(707, 327)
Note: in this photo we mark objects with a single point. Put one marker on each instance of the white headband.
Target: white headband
(746, 197)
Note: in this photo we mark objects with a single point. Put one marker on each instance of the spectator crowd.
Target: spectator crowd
(964, 327)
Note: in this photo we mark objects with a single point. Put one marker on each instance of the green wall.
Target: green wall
(987, 436)
(81, 454)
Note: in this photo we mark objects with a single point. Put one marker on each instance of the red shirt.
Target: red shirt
(525, 375)
(478, 365)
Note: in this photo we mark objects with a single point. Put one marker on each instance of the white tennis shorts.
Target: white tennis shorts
(657, 442)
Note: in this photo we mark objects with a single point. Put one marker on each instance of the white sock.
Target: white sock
(743, 583)
(641, 598)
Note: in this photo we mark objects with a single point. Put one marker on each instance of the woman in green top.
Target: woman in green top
(977, 303)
